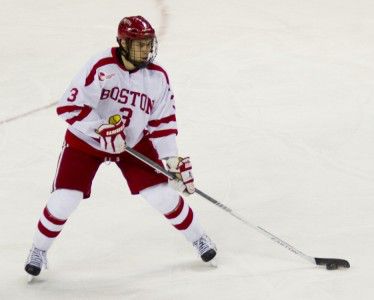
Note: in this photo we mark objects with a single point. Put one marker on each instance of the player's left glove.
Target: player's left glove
(184, 181)
(112, 136)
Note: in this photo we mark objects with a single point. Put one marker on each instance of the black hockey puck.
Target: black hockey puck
(331, 266)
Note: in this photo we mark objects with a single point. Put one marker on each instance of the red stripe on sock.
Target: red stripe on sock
(51, 218)
(187, 221)
(46, 232)
(175, 213)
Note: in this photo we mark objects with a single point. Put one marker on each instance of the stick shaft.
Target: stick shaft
(259, 229)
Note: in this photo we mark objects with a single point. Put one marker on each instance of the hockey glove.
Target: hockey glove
(184, 181)
(112, 136)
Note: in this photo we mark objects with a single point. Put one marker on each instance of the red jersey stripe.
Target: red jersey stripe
(155, 123)
(102, 62)
(68, 108)
(162, 133)
(84, 113)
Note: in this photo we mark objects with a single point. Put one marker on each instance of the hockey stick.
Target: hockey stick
(330, 263)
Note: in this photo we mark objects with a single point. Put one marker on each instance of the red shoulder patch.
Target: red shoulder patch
(102, 62)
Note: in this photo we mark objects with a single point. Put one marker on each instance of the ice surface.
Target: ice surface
(275, 108)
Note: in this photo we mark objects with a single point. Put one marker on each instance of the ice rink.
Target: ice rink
(275, 108)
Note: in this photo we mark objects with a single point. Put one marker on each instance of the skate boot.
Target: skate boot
(36, 260)
(206, 248)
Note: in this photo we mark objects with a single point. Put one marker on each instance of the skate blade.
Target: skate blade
(213, 263)
(30, 278)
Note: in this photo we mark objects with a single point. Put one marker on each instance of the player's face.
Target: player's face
(140, 49)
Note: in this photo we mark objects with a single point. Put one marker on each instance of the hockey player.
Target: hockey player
(120, 98)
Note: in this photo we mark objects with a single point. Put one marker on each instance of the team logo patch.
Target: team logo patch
(126, 21)
(103, 76)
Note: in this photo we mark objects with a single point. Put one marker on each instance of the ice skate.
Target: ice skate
(36, 260)
(206, 249)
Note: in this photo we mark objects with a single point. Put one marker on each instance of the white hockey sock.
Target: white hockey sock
(60, 205)
(168, 202)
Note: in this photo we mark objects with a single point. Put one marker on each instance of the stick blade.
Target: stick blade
(332, 263)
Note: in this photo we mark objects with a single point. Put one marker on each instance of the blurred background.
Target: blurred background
(274, 106)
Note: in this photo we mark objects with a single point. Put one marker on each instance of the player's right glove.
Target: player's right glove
(112, 136)
(181, 168)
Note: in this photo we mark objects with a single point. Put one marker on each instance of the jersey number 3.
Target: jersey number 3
(126, 115)
(73, 95)
(126, 112)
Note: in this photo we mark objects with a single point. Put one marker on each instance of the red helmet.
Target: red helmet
(135, 27)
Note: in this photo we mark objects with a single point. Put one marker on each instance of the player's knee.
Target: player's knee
(63, 202)
(161, 197)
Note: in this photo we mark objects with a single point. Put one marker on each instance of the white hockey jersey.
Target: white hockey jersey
(143, 98)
